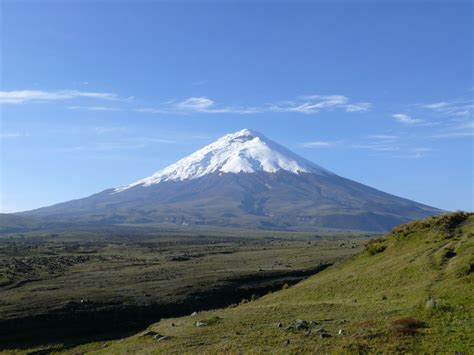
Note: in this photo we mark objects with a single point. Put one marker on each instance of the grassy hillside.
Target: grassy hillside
(411, 291)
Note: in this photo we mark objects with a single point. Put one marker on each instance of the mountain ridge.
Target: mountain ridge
(243, 180)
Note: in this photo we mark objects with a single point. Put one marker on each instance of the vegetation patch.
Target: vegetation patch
(375, 246)
(406, 326)
(444, 224)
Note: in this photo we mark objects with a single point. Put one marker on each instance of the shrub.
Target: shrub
(406, 326)
(465, 269)
(446, 224)
(375, 246)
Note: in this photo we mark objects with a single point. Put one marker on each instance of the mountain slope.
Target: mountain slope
(243, 180)
(409, 292)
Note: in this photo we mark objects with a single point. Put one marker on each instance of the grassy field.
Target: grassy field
(408, 292)
(59, 289)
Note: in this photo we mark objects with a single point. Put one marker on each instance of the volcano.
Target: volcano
(242, 180)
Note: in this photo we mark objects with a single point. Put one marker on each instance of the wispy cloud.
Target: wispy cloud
(305, 104)
(94, 108)
(198, 104)
(318, 144)
(455, 108)
(359, 107)
(406, 119)
(414, 153)
(316, 103)
(383, 137)
(126, 143)
(387, 145)
(378, 147)
(150, 110)
(102, 130)
(379, 143)
(24, 96)
(311, 104)
(464, 129)
(203, 104)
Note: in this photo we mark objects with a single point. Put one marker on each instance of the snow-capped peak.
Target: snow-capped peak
(245, 151)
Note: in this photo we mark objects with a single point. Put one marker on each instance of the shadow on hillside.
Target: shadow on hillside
(77, 323)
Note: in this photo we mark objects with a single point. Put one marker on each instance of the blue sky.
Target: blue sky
(99, 94)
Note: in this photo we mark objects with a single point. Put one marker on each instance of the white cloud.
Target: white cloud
(198, 104)
(378, 147)
(305, 104)
(102, 130)
(317, 103)
(455, 108)
(139, 142)
(465, 129)
(94, 108)
(205, 105)
(437, 105)
(359, 107)
(384, 137)
(150, 110)
(406, 119)
(25, 96)
(318, 144)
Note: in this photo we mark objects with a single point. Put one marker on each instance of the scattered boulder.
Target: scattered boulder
(208, 322)
(303, 325)
(194, 314)
(279, 325)
(341, 332)
(286, 342)
(149, 333)
(300, 324)
(159, 337)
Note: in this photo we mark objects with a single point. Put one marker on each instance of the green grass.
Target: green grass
(414, 296)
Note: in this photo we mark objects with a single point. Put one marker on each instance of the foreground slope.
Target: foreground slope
(411, 291)
(243, 180)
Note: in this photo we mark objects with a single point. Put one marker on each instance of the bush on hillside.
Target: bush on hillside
(445, 223)
(375, 246)
(406, 326)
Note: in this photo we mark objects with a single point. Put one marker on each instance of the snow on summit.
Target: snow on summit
(245, 151)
